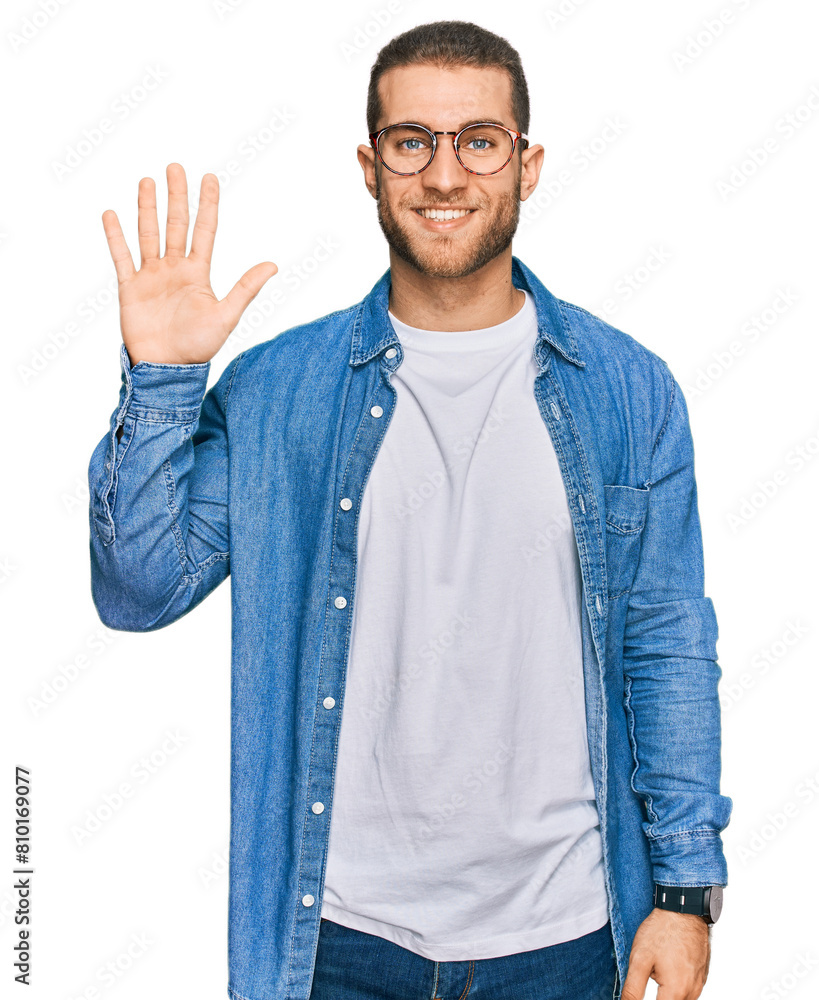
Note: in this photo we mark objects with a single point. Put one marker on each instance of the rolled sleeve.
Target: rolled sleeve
(672, 674)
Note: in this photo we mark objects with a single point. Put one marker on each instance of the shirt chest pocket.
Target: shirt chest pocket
(626, 508)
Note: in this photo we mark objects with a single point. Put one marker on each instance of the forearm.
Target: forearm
(671, 674)
(671, 700)
(158, 504)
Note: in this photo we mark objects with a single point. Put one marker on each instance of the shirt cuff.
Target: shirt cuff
(692, 858)
(149, 388)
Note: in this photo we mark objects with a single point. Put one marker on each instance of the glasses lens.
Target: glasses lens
(484, 148)
(405, 148)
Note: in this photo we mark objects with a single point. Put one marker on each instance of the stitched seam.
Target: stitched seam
(690, 885)
(633, 740)
(123, 448)
(153, 416)
(573, 358)
(102, 512)
(238, 996)
(170, 487)
(468, 981)
(577, 308)
(111, 491)
(559, 448)
(697, 834)
(230, 381)
(622, 530)
(108, 495)
(105, 529)
(104, 516)
(354, 334)
(320, 886)
(327, 612)
(187, 578)
(667, 415)
(169, 364)
(190, 579)
(602, 803)
(107, 518)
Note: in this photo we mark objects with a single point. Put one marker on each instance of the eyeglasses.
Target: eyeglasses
(485, 148)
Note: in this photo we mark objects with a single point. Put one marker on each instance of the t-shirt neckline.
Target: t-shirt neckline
(504, 334)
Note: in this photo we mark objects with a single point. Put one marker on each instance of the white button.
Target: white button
(341, 602)
(318, 807)
(307, 900)
(346, 503)
(329, 703)
(391, 352)
(376, 411)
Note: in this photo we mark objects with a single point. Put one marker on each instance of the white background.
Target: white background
(157, 866)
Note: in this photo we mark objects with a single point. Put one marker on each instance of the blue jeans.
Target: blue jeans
(353, 965)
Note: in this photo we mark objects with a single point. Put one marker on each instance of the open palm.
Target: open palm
(168, 312)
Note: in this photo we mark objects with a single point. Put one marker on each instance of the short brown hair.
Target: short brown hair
(446, 44)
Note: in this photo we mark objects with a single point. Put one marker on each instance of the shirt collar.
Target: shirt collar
(373, 330)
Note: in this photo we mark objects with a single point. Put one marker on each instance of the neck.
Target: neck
(485, 298)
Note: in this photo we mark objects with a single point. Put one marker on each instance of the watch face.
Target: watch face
(715, 902)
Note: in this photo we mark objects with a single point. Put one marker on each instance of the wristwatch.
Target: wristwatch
(703, 900)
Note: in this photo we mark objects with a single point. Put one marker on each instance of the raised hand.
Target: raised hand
(168, 312)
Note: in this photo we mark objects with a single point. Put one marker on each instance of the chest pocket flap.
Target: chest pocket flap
(626, 509)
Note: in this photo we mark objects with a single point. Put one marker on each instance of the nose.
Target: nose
(445, 173)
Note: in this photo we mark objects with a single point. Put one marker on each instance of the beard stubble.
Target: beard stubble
(440, 255)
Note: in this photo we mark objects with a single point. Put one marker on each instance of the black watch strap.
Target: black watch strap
(703, 901)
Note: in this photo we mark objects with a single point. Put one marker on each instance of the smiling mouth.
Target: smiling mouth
(444, 214)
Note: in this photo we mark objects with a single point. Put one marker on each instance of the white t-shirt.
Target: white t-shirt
(464, 823)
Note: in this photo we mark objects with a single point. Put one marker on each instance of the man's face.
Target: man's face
(446, 100)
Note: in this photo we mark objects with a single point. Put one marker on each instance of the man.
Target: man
(464, 511)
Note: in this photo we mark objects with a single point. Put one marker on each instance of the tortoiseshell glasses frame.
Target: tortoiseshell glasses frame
(513, 134)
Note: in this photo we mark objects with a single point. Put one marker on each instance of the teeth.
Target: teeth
(444, 214)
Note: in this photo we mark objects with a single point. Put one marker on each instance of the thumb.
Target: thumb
(245, 291)
(634, 987)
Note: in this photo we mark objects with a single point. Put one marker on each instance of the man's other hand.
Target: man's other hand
(673, 949)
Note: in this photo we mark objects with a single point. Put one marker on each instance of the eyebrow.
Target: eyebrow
(471, 121)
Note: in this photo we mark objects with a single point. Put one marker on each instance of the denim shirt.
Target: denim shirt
(262, 477)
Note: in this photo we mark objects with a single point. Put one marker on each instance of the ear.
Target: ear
(531, 160)
(366, 157)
